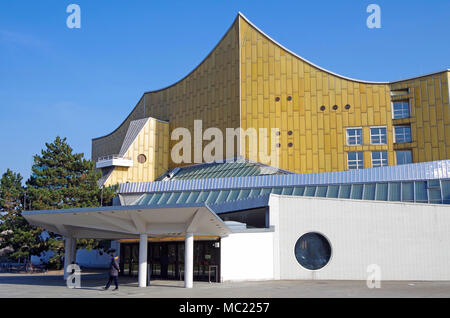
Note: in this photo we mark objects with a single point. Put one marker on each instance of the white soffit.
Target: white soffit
(129, 221)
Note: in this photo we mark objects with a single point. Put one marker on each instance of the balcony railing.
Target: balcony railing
(111, 157)
(113, 161)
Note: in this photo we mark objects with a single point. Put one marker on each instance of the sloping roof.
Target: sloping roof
(227, 169)
(411, 172)
(133, 130)
(419, 183)
(326, 70)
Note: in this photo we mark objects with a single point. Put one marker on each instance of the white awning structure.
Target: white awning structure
(117, 222)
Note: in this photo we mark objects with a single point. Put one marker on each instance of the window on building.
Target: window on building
(400, 109)
(312, 251)
(378, 136)
(402, 134)
(354, 136)
(379, 159)
(355, 160)
(400, 92)
(404, 157)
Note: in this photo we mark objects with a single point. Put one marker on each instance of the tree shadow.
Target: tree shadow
(89, 281)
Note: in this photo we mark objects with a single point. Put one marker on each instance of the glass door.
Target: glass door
(134, 264)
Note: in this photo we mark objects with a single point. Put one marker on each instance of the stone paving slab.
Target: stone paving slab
(52, 285)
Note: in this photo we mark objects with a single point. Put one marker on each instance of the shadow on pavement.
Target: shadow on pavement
(89, 281)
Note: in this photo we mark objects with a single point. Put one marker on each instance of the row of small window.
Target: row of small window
(378, 135)
(355, 160)
(432, 191)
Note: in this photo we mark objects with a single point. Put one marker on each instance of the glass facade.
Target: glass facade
(432, 191)
(166, 260)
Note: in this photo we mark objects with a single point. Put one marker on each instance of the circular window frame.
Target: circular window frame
(141, 156)
(329, 243)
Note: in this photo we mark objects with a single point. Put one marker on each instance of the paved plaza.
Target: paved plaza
(52, 285)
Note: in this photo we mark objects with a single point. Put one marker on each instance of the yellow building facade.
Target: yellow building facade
(326, 122)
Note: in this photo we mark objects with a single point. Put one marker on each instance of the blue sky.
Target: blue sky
(82, 83)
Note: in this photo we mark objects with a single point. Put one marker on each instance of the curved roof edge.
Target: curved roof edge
(281, 46)
(203, 61)
(328, 71)
(305, 60)
(171, 85)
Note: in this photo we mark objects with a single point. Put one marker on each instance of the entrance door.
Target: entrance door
(166, 260)
(129, 259)
(206, 261)
(125, 259)
(134, 264)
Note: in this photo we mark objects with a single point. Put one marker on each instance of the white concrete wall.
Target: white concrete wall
(407, 241)
(247, 256)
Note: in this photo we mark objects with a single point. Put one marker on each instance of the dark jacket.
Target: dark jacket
(114, 267)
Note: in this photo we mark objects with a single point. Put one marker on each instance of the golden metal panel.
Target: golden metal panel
(236, 86)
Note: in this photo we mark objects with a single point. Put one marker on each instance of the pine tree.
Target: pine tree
(18, 239)
(62, 179)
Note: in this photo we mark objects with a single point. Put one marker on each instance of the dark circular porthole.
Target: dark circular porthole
(277, 99)
(322, 108)
(347, 106)
(313, 251)
(141, 158)
(290, 132)
(277, 133)
(278, 145)
(290, 144)
(335, 107)
(289, 98)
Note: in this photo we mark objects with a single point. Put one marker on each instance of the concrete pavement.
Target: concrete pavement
(52, 285)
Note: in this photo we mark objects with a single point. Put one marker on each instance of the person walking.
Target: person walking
(113, 272)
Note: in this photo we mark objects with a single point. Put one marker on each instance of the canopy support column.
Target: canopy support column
(69, 242)
(74, 251)
(189, 260)
(142, 277)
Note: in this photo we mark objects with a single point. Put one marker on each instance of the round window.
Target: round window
(313, 251)
(142, 158)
